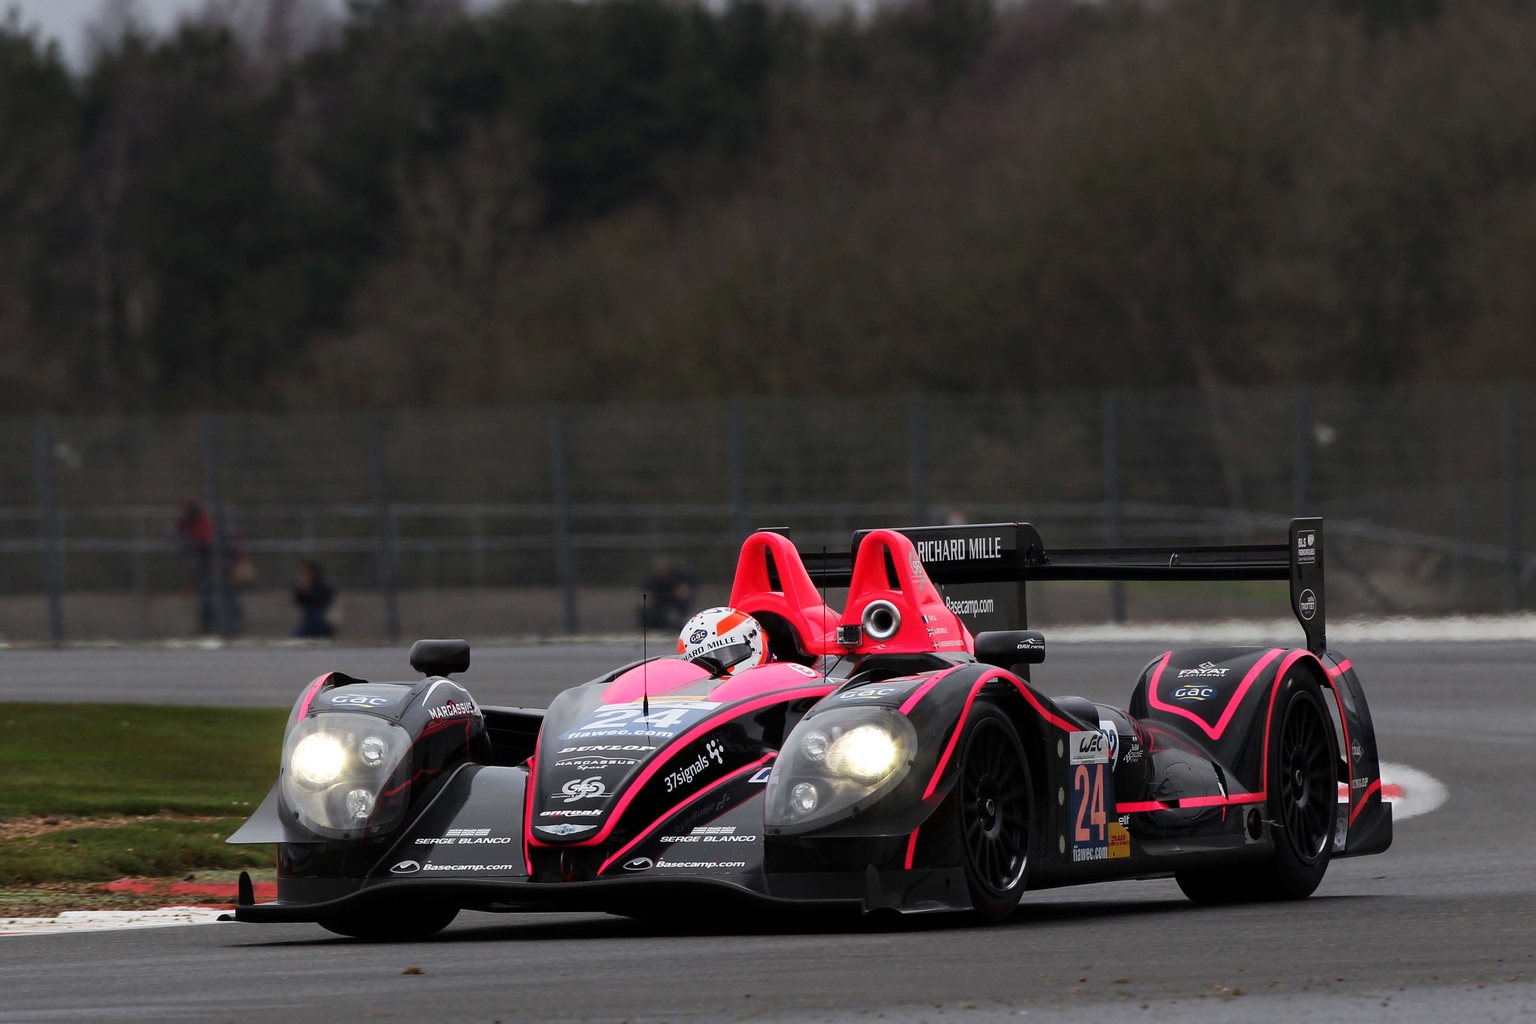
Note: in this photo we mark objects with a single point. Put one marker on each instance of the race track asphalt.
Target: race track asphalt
(1440, 928)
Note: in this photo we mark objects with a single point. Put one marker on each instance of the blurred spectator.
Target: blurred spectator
(315, 595)
(669, 591)
(195, 532)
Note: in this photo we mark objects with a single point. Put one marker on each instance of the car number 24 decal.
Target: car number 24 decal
(663, 720)
(1089, 823)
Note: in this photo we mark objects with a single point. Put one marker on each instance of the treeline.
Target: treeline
(270, 207)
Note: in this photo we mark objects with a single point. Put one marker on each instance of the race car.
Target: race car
(893, 756)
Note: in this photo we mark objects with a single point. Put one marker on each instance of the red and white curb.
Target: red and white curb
(72, 922)
(1409, 791)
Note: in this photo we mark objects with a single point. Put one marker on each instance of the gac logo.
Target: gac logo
(1194, 693)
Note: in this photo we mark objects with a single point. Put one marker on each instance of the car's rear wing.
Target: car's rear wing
(984, 569)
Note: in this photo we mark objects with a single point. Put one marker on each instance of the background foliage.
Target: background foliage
(271, 208)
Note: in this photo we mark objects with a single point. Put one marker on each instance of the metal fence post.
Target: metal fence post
(1113, 511)
(216, 575)
(51, 534)
(1459, 558)
(560, 488)
(917, 424)
(740, 522)
(384, 528)
(1302, 452)
(1511, 443)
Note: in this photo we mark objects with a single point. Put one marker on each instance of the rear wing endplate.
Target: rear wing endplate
(984, 569)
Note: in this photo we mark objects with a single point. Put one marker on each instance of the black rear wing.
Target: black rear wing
(983, 569)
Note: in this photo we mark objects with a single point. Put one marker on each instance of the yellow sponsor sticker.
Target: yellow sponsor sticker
(1119, 841)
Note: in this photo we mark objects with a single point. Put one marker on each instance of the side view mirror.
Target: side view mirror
(1008, 647)
(440, 657)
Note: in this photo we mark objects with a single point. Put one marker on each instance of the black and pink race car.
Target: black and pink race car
(893, 756)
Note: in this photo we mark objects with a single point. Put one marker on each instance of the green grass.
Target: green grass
(100, 760)
(148, 848)
(94, 759)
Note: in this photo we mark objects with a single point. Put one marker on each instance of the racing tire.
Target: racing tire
(1303, 802)
(391, 923)
(995, 811)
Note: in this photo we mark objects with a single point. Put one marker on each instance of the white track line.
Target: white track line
(1422, 793)
(1409, 791)
(74, 921)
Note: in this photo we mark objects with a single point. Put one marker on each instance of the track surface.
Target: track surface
(1440, 927)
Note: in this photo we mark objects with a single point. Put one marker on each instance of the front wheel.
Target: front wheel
(1303, 800)
(391, 923)
(996, 806)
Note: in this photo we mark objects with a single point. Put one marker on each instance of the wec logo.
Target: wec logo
(1089, 748)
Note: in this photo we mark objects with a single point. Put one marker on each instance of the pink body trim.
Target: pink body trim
(1232, 702)
(309, 695)
(1360, 806)
(668, 816)
(651, 768)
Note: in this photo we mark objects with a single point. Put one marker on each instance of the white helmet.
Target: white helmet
(732, 641)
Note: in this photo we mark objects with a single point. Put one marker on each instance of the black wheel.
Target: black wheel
(996, 806)
(397, 923)
(1303, 800)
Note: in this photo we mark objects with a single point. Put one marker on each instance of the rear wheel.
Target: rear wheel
(391, 923)
(996, 806)
(1303, 800)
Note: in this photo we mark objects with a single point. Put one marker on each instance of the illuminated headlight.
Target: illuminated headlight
(837, 762)
(866, 752)
(318, 759)
(346, 774)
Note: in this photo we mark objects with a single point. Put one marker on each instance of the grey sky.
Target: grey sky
(65, 20)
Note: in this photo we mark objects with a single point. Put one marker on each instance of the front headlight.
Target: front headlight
(835, 763)
(346, 774)
(866, 752)
(319, 758)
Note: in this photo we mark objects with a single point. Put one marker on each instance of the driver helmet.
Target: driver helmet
(733, 640)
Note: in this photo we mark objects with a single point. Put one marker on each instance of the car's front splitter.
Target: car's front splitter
(919, 891)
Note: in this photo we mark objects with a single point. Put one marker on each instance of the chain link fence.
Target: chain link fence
(543, 520)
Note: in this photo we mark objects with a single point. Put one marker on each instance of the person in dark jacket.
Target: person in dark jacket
(314, 594)
(668, 594)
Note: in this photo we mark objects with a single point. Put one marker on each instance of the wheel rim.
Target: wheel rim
(994, 809)
(1307, 790)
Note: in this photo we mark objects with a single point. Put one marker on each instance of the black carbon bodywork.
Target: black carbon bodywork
(661, 782)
